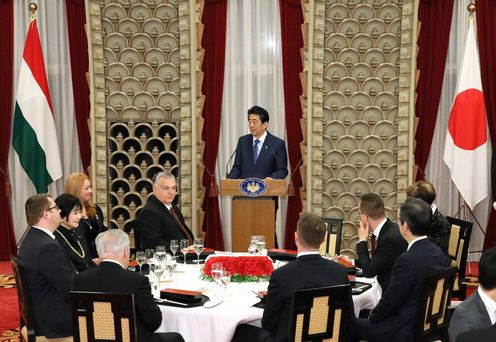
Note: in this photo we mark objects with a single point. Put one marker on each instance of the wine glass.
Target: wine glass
(184, 245)
(159, 254)
(140, 259)
(225, 279)
(252, 248)
(174, 245)
(157, 271)
(198, 245)
(149, 253)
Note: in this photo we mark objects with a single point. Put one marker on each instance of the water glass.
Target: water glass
(225, 280)
(217, 271)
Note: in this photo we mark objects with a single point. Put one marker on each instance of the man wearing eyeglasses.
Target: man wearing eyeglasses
(47, 268)
(161, 220)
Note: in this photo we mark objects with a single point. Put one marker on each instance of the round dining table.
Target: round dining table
(231, 306)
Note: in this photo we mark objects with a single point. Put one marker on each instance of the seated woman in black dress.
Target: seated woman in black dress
(68, 234)
(78, 184)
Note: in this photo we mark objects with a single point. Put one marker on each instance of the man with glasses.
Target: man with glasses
(161, 220)
(48, 270)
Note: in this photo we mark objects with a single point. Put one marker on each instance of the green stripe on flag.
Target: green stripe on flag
(31, 155)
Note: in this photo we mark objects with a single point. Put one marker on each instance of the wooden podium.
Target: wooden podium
(252, 215)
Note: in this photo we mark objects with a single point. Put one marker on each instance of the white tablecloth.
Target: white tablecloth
(218, 324)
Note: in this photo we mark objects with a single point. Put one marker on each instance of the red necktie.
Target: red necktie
(178, 221)
(372, 244)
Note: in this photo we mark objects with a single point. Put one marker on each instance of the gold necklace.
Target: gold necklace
(82, 255)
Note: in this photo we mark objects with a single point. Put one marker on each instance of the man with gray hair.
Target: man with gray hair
(112, 276)
(161, 220)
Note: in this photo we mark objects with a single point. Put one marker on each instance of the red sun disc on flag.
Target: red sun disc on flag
(467, 123)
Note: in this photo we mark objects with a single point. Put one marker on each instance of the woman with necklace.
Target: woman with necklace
(79, 185)
(68, 235)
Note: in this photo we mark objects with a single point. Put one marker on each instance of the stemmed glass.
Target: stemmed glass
(252, 248)
(225, 279)
(149, 253)
(184, 245)
(160, 254)
(140, 259)
(157, 271)
(198, 245)
(174, 245)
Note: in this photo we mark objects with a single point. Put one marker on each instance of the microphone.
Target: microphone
(230, 158)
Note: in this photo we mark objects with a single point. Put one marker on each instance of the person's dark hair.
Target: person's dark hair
(487, 269)
(262, 113)
(423, 190)
(311, 230)
(417, 214)
(372, 205)
(66, 203)
(35, 206)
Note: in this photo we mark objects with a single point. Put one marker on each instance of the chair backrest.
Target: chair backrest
(458, 251)
(332, 241)
(26, 317)
(101, 316)
(433, 315)
(320, 314)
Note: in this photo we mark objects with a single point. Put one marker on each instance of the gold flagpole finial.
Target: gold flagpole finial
(32, 8)
(471, 8)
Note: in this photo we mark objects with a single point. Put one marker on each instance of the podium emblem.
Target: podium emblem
(253, 187)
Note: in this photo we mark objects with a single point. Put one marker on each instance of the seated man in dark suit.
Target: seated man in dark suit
(387, 243)
(161, 220)
(479, 310)
(309, 270)
(48, 270)
(259, 154)
(479, 335)
(394, 317)
(112, 276)
(440, 228)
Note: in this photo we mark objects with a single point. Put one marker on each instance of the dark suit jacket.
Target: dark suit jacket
(112, 278)
(156, 226)
(469, 315)
(49, 274)
(272, 160)
(480, 335)
(394, 317)
(389, 245)
(307, 271)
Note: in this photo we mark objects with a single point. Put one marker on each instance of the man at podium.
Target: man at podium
(259, 154)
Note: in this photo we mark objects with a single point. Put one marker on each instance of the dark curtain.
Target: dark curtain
(214, 43)
(7, 237)
(486, 36)
(292, 42)
(78, 46)
(433, 40)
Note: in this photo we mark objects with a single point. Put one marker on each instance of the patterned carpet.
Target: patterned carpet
(10, 336)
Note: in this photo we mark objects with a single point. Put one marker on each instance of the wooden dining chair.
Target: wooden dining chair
(332, 241)
(28, 329)
(433, 318)
(101, 316)
(458, 251)
(320, 314)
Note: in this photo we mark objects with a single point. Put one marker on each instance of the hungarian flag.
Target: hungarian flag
(466, 147)
(34, 137)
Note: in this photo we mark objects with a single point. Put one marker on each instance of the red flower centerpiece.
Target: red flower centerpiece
(242, 268)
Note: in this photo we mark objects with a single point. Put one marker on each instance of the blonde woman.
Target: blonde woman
(78, 184)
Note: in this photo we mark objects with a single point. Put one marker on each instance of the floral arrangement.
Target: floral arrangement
(242, 268)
